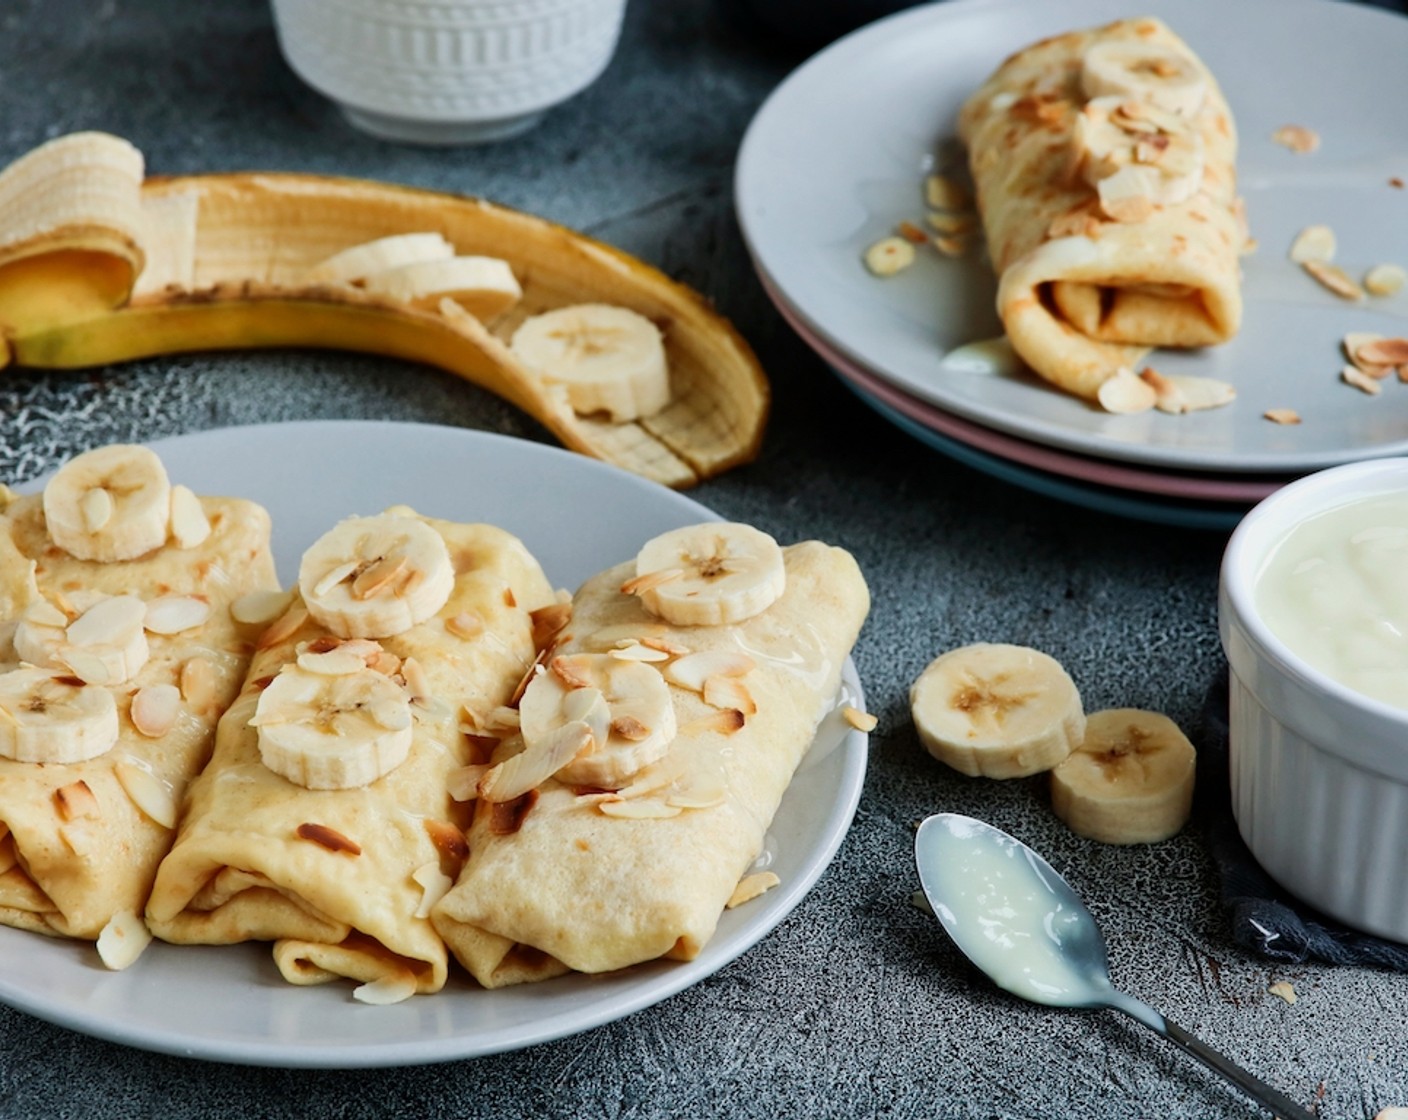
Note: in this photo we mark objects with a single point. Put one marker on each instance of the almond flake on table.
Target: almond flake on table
(1284, 989)
(1334, 278)
(1313, 243)
(1385, 279)
(1282, 415)
(1297, 138)
(1353, 375)
(889, 255)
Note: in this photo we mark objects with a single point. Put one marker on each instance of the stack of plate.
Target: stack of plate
(836, 158)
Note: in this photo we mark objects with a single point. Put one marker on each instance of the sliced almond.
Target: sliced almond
(1283, 989)
(724, 722)
(950, 246)
(911, 233)
(284, 627)
(1168, 397)
(1385, 279)
(664, 645)
(449, 841)
(693, 670)
(335, 575)
(44, 613)
(1313, 243)
(434, 884)
(379, 577)
(155, 708)
(1334, 278)
(861, 721)
(1381, 351)
(148, 792)
(1353, 375)
(122, 940)
(170, 614)
(76, 800)
(510, 779)
(943, 193)
(1297, 138)
(637, 651)
(729, 692)
(398, 987)
(949, 224)
(1351, 344)
(639, 808)
(199, 684)
(333, 663)
(417, 682)
(96, 507)
(570, 671)
(110, 622)
(189, 525)
(328, 838)
(548, 622)
(750, 887)
(1124, 393)
(1282, 415)
(1180, 393)
(259, 608)
(888, 256)
(465, 625)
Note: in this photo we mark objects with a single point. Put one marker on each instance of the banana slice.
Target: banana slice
(1129, 782)
(610, 359)
(483, 286)
(105, 644)
(48, 716)
(1158, 75)
(1129, 151)
(624, 706)
(381, 255)
(333, 730)
(997, 711)
(709, 575)
(373, 577)
(113, 503)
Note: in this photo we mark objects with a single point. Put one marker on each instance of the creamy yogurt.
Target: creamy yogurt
(1335, 591)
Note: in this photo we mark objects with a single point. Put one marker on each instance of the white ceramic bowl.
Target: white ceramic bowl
(1319, 771)
(447, 71)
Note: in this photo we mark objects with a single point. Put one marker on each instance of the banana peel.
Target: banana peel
(218, 262)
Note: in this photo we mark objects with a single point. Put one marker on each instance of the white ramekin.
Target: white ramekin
(1319, 771)
(447, 71)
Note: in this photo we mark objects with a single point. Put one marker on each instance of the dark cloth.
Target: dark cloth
(1263, 917)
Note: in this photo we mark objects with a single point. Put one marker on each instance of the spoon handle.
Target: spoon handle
(1276, 1102)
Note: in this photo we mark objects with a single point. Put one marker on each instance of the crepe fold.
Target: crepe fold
(67, 867)
(259, 857)
(567, 887)
(1081, 295)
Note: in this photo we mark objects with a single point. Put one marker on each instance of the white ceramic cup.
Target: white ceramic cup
(447, 71)
(1319, 771)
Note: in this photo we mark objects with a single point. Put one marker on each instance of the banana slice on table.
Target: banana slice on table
(1137, 155)
(711, 574)
(373, 577)
(113, 503)
(610, 359)
(483, 286)
(337, 727)
(997, 711)
(50, 716)
(381, 255)
(105, 644)
(624, 707)
(1163, 77)
(1129, 782)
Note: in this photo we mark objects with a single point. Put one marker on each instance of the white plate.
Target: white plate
(577, 516)
(836, 157)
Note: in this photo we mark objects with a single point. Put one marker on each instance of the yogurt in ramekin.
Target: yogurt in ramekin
(1313, 613)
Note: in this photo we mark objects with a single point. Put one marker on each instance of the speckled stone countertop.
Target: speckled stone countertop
(856, 1005)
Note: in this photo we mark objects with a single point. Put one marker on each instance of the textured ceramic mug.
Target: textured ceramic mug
(447, 71)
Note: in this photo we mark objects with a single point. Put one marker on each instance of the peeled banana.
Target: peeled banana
(236, 264)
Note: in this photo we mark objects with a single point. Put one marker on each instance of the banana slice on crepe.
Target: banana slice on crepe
(610, 359)
(1129, 782)
(1154, 73)
(106, 643)
(997, 711)
(712, 574)
(1137, 156)
(375, 577)
(381, 255)
(112, 503)
(49, 716)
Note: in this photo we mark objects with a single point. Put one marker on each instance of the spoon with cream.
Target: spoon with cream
(1022, 924)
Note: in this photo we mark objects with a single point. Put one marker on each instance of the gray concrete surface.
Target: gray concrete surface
(856, 1005)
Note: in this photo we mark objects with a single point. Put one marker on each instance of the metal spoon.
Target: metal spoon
(1023, 925)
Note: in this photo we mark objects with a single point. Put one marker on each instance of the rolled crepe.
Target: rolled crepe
(331, 875)
(554, 884)
(1080, 294)
(75, 847)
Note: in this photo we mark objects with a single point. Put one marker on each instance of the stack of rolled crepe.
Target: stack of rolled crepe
(1103, 162)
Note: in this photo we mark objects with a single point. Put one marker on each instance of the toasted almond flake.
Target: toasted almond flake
(570, 671)
(628, 727)
(534, 668)
(1353, 375)
(950, 225)
(1351, 344)
(886, 257)
(950, 246)
(664, 645)
(417, 683)
(640, 808)
(449, 841)
(328, 838)
(861, 721)
(465, 625)
(750, 887)
(1385, 279)
(384, 662)
(76, 800)
(170, 614)
(548, 621)
(729, 692)
(725, 722)
(1297, 138)
(912, 233)
(96, 508)
(1313, 243)
(379, 578)
(943, 193)
(284, 627)
(529, 768)
(396, 988)
(694, 669)
(1168, 397)
(637, 651)
(1284, 989)
(1124, 393)
(1193, 393)
(333, 663)
(199, 685)
(434, 884)
(189, 525)
(1334, 278)
(1381, 351)
(259, 608)
(1282, 415)
(122, 940)
(148, 792)
(155, 708)
(333, 576)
